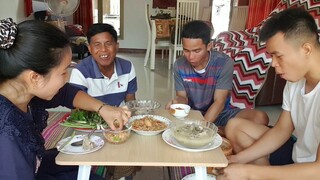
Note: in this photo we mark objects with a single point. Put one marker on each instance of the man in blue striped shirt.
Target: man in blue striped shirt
(103, 75)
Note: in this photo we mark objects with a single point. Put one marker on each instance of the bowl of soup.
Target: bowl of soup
(193, 133)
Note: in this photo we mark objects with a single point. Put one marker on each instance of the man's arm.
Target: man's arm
(219, 100)
(308, 171)
(265, 143)
(130, 97)
(108, 113)
(223, 90)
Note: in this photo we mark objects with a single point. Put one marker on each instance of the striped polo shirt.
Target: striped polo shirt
(113, 91)
(200, 86)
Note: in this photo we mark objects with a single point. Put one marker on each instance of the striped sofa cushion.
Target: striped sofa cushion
(251, 64)
(251, 60)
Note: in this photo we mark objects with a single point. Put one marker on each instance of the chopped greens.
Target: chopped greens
(84, 119)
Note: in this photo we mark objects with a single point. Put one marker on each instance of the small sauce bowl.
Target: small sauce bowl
(179, 110)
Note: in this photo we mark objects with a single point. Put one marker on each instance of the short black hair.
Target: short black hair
(296, 24)
(38, 46)
(197, 30)
(100, 28)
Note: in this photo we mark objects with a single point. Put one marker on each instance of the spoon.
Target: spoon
(79, 143)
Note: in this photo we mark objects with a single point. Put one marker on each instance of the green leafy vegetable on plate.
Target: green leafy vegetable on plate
(84, 119)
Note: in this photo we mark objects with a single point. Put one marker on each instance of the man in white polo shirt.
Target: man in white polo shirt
(103, 75)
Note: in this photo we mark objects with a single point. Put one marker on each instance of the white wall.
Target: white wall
(135, 27)
(13, 9)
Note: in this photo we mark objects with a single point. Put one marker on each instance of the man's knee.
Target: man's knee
(231, 127)
(261, 118)
(256, 116)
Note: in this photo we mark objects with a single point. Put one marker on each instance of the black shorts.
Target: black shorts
(283, 155)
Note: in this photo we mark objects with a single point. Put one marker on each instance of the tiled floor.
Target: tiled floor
(158, 85)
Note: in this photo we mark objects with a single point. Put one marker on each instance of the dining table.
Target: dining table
(142, 150)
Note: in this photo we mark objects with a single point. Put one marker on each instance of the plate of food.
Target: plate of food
(97, 143)
(170, 140)
(149, 124)
(82, 120)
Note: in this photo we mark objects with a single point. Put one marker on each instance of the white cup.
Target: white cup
(179, 110)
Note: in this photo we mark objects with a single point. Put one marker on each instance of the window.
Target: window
(111, 12)
(220, 15)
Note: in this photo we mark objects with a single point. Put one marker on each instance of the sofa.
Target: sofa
(254, 81)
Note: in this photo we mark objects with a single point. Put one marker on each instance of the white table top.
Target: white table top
(142, 150)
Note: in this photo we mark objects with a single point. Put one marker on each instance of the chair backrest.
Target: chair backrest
(148, 19)
(187, 10)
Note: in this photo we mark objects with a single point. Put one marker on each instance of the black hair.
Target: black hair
(295, 23)
(38, 46)
(100, 28)
(197, 30)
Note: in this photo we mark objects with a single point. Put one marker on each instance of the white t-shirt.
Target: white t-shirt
(305, 114)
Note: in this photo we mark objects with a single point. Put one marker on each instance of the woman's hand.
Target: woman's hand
(116, 117)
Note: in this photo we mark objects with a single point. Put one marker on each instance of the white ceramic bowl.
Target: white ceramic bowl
(179, 110)
(141, 107)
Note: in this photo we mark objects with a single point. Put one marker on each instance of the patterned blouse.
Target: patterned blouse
(21, 142)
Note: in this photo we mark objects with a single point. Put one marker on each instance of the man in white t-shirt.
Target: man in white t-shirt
(291, 38)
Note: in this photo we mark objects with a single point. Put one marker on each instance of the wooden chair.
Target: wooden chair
(187, 10)
(154, 40)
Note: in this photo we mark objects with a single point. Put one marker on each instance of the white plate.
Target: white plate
(167, 137)
(68, 149)
(150, 133)
(193, 177)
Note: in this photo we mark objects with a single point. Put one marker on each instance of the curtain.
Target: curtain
(27, 7)
(84, 15)
(259, 10)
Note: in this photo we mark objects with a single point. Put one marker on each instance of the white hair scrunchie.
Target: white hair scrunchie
(8, 31)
